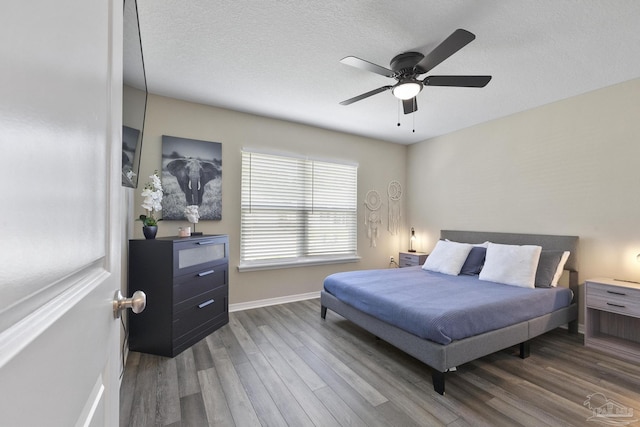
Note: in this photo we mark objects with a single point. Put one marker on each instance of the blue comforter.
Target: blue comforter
(440, 307)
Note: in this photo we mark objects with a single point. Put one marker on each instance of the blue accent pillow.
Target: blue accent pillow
(547, 267)
(474, 262)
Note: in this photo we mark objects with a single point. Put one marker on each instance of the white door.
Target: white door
(60, 239)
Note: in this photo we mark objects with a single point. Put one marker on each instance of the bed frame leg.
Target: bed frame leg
(323, 311)
(525, 349)
(437, 378)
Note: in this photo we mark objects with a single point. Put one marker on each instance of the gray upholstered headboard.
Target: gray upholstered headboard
(563, 243)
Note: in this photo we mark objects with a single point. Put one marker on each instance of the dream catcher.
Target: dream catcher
(372, 219)
(395, 193)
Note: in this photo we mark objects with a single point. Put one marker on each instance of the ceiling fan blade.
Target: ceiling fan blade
(459, 81)
(410, 105)
(456, 41)
(366, 65)
(365, 95)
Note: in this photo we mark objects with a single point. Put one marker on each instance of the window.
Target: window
(296, 211)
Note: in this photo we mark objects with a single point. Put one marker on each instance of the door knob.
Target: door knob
(136, 303)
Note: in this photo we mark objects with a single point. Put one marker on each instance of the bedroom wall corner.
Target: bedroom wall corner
(570, 167)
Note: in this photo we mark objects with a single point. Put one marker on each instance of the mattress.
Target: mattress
(440, 307)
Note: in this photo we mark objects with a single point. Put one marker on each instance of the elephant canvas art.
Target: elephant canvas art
(191, 175)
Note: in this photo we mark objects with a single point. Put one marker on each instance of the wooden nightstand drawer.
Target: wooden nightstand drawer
(411, 259)
(615, 299)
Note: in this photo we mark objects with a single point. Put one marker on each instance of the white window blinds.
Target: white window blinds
(296, 210)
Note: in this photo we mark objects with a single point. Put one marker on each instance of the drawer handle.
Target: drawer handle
(616, 305)
(206, 273)
(207, 242)
(616, 293)
(206, 303)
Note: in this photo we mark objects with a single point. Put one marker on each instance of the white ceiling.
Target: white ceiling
(280, 58)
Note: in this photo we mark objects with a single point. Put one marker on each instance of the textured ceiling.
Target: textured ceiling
(280, 58)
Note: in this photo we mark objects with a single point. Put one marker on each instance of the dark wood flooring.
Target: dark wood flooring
(284, 366)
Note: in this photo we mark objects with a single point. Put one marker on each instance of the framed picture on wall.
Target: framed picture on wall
(191, 175)
(130, 156)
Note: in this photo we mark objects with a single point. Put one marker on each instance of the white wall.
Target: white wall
(571, 167)
(379, 163)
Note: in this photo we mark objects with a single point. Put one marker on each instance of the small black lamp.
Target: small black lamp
(412, 239)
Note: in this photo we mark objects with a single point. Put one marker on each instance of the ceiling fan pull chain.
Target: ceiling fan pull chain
(415, 107)
(399, 112)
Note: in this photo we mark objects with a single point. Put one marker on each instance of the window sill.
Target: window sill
(273, 265)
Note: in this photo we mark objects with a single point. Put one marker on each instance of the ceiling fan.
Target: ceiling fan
(406, 68)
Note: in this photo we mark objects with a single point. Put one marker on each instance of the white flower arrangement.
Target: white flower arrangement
(152, 202)
(191, 212)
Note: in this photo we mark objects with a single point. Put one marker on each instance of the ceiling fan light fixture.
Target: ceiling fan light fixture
(407, 89)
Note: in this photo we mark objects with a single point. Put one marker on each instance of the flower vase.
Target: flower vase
(150, 231)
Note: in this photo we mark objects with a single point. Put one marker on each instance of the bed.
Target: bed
(448, 344)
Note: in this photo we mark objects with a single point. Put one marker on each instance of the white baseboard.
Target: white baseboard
(272, 301)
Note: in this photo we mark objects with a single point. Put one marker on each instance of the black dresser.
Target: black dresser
(186, 282)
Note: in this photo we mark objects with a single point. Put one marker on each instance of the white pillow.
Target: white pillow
(563, 261)
(511, 264)
(447, 257)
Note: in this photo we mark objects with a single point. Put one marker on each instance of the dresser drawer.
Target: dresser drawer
(613, 298)
(193, 284)
(200, 310)
(193, 255)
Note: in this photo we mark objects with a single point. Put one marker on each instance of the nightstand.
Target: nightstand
(411, 259)
(612, 317)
